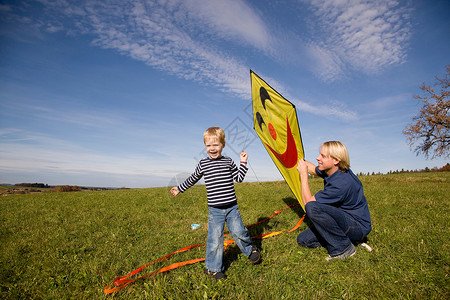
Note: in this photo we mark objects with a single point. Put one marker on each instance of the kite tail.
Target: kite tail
(122, 282)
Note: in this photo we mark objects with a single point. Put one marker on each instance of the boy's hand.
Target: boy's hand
(174, 191)
(244, 156)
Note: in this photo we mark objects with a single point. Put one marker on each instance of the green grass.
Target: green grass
(71, 245)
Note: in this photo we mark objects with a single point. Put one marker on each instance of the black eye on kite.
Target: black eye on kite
(264, 96)
(260, 119)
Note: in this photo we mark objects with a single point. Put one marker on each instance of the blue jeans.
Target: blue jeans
(332, 228)
(214, 242)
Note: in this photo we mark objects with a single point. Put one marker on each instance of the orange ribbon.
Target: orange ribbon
(121, 282)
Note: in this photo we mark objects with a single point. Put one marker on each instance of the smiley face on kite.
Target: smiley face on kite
(276, 123)
(288, 157)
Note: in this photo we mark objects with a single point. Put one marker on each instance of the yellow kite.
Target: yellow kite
(275, 122)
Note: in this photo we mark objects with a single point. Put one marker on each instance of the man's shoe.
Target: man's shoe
(367, 247)
(255, 256)
(215, 275)
(350, 251)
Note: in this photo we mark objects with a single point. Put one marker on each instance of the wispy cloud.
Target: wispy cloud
(30, 152)
(191, 39)
(335, 109)
(231, 20)
(79, 117)
(327, 65)
(389, 102)
(332, 109)
(173, 36)
(359, 35)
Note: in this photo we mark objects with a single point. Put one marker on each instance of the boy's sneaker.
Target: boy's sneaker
(255, 256)
(215, 275)
(350, 251)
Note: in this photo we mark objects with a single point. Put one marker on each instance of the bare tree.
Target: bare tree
(430, 127)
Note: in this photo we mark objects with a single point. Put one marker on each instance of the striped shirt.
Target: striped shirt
(219, 175)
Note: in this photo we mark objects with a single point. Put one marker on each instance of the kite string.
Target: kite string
(243, 149)
(257, 179)
(245, 141)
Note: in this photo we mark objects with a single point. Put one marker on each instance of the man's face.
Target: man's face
(213, 147)
(326, 162)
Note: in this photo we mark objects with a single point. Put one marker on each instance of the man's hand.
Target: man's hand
(302, 167)
(304, 164)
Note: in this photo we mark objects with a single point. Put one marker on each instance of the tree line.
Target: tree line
(445, 168)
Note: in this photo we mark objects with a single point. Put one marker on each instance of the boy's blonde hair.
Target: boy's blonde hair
(338, 151)
(215, 132)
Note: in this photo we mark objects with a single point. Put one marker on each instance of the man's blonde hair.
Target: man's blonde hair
(215, 132)
(338, 151)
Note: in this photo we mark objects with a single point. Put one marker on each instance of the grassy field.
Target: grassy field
(72, 245)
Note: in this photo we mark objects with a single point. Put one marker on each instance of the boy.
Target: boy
(219, 172)
(339, 213)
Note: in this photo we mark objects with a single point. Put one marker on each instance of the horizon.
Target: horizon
(119, 93)
(201, 182)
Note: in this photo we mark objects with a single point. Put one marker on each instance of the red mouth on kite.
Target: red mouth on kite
(289, 157)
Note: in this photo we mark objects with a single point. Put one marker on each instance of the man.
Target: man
(339, 213)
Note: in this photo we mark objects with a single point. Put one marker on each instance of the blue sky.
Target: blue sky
(118, 93)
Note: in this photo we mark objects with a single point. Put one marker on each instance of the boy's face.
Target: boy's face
(213, 147)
